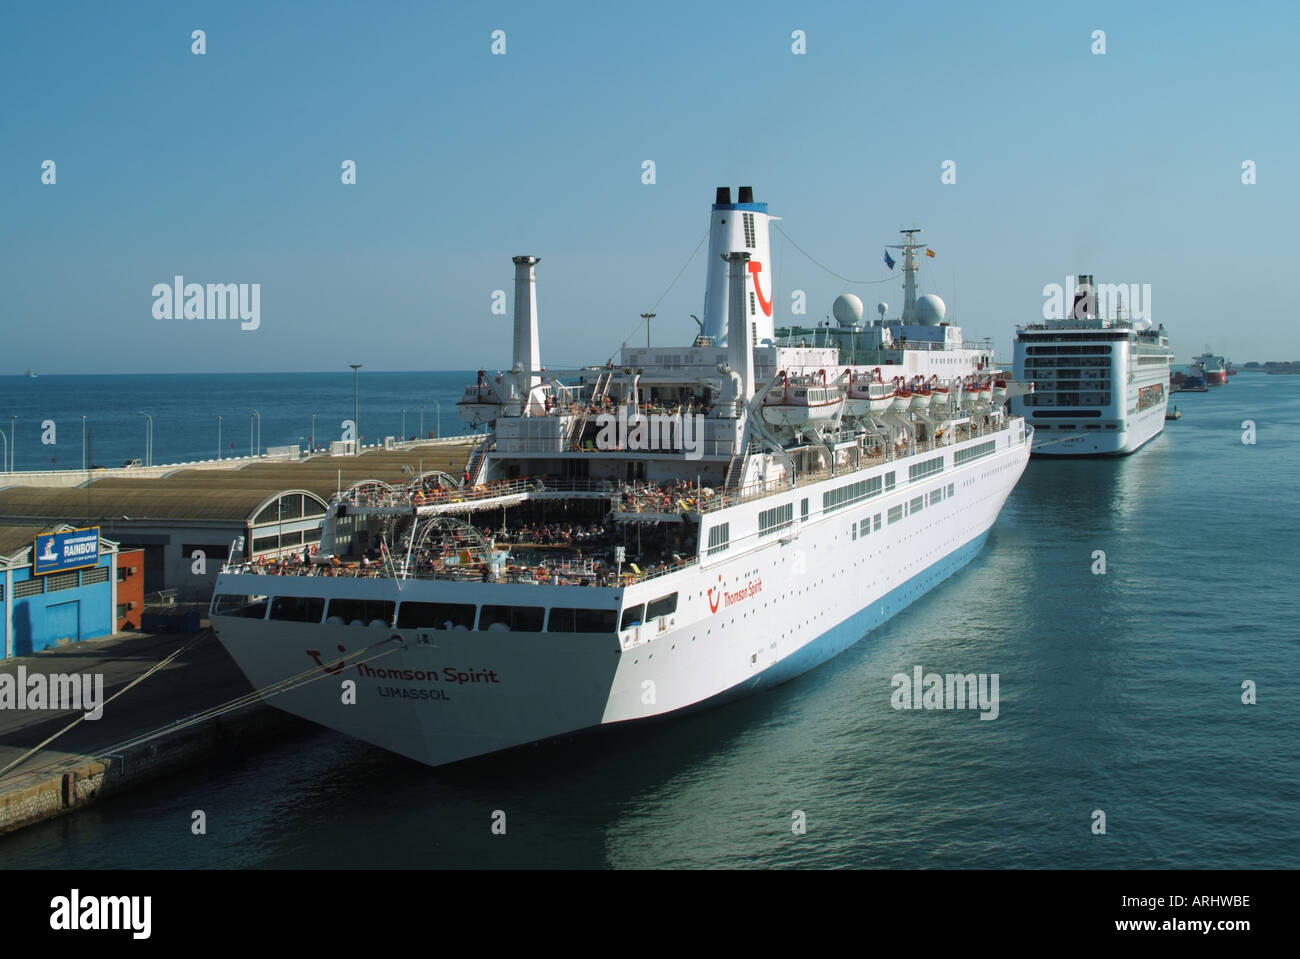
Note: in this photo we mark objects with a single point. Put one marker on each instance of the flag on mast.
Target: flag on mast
(889, 261)
(929, 252)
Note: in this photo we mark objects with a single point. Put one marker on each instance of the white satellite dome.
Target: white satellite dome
(930, 310)
(847, 310)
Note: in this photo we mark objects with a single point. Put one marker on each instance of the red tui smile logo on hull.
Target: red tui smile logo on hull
(715, 595)
(337, 667)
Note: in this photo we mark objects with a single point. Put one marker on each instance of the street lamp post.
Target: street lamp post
(356, 427)
(83, 442)
(421, 421)
(647, 317)
(148, 437)
(218, 438)
(312, 439)
(253, 413)
(438, 433)
(5, 462)
(13, 442)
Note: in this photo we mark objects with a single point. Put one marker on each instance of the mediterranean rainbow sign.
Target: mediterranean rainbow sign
(70, 549)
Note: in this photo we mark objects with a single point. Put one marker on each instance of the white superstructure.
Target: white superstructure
(1101, 385)
(639, 538)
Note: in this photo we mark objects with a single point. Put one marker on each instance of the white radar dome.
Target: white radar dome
(930, 310)
(847, 310)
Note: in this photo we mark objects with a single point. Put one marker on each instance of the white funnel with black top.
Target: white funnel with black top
(742, 225)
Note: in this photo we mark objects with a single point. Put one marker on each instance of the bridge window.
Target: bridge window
(566, 620)
(231, 604)
(664, 605)
(632, 616)
(525, 619)
(365, 610)
(298, 609)
(436, 616)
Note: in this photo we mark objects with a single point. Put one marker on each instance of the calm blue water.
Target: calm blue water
(185, 410)
(1118, 692)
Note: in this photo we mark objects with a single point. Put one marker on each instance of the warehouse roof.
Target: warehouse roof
(16, 538)
(223, 495)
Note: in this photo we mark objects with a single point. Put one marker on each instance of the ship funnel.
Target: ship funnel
(1084, 305)
(739, 226)
(740, 354)
(527, 354)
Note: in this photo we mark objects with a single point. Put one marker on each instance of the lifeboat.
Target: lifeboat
(999, 391)
(802, 401)
(480, 402)
(921, 394)
(902, 396)
(869, 395)
(940, 391)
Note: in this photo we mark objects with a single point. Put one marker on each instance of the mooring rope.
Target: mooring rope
(311, 674)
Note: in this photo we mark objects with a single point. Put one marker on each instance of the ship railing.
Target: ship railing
(974, 429)
(585, 572)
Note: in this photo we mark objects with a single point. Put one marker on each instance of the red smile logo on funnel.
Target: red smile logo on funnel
(765, 305)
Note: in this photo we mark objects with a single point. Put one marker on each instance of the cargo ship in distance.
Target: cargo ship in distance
(643, 537)
(1214, 368)
(1101, 384)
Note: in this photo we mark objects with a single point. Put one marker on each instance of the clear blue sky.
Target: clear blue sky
(226, 168)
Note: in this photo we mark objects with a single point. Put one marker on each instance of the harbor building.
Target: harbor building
(61, 585)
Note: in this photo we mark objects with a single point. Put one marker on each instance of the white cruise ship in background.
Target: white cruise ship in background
(691, 523)
(1101, 385)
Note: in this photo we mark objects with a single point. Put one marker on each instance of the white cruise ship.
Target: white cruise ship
(630, 540)
(1101, 385)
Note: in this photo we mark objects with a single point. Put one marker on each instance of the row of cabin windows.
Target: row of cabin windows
(974, 452)
(775, 519)
(927, 468)
(851, 493)
(413, 615)
(1064, 350)
(863, 526)
(1045, 362)
(918, 503)
(719, 538)
(1071, 426)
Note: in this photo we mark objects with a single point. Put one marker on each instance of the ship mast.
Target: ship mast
(909, 248)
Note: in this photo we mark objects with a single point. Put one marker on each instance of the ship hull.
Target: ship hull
(742, 624)
(1139, 430)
